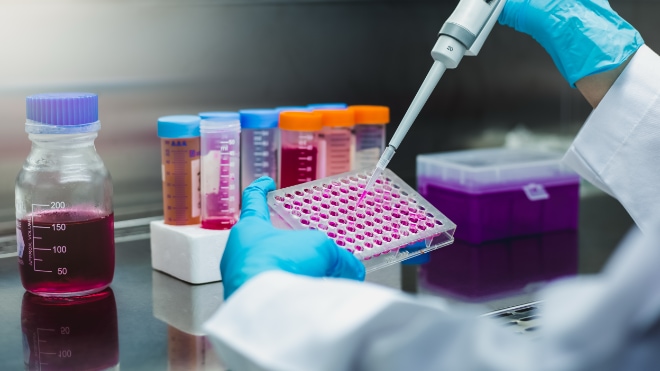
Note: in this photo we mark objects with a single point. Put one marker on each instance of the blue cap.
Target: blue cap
(229, 115)
(63, 113)
(180, 126)
(259, 118)
(293, 108)
(328, 106)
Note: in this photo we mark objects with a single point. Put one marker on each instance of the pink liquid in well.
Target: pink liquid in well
(298, 166)
(66, 252)
(373, 227)
(364, 194)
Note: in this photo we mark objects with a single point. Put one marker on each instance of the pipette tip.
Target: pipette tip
(361, 198)
(370, 183)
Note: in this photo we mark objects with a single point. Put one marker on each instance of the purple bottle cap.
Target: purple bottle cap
(62, 113)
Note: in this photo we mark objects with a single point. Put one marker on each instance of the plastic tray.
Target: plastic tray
(497, 193)
(392, 216)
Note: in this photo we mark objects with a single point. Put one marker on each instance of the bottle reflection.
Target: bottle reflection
(188, 352)
(76, 333)
(501, 268)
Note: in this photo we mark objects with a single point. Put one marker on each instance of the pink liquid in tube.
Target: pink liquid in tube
(299, 165)
(220, 144)
(300, 155)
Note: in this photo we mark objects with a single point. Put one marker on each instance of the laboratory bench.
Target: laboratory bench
(151, 321)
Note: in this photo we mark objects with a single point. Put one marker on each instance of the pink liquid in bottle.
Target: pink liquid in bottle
(66, 252)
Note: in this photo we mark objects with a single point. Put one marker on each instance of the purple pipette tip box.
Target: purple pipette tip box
(499, 193)
(377, 230)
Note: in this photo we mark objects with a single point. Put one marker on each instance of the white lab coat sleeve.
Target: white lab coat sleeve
(618, 148)
(600, 322)
(280, 321)
(284, 322)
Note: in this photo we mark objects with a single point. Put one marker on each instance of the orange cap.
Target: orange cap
(337, 117)
(300, 121)
(371, 114)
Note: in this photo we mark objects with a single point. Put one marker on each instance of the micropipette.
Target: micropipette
(463, 33)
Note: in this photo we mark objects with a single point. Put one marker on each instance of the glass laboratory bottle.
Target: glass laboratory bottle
(369, 131)
(179, 149)
(259, 144)
(337, 140)
(220, 136)
(300, 155)
(65, 225)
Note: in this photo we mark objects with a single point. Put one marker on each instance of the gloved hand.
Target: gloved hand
(255, 246)
(583, 37)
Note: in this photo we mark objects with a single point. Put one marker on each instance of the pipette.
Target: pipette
(462, 34)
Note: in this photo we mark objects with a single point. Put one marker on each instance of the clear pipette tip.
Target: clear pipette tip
(380, 167)
(437, 70)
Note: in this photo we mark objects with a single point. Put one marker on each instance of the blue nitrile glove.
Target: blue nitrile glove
(255, 246)
(583, 37)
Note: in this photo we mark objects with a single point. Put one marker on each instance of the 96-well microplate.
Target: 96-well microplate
(390, 217)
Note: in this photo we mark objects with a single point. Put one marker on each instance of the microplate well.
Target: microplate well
(391, 216)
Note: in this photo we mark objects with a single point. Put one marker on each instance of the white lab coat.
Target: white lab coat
(281, 321)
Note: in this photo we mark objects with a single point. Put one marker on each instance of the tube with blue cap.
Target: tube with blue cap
(259, 144)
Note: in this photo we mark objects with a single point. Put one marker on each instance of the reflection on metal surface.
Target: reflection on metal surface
(78, 333)
(182, 305)
(186, 352)
(133, 230)
(185, 308)
(478, 273)
(521, 319)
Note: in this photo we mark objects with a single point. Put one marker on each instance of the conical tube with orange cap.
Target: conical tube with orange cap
(369, 131)
(299, 154)
(338, 141)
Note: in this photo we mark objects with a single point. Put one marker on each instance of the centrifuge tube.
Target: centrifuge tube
(220, 170)
(259, 144)
(369, 131)
(212, 114)
(337, 140)
(180, 149)
(299, 147)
